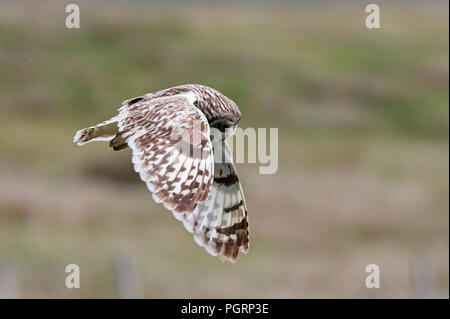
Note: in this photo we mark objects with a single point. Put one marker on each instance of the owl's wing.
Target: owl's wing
(205, 195)
(171, 149)
(220, 223)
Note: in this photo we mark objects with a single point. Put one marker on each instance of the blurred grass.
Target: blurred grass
(363, 132)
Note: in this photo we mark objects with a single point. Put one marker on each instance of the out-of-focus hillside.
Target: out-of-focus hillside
(363, 148)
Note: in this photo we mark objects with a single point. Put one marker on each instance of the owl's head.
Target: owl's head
(217, 108)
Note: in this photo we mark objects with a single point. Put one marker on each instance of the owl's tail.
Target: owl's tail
(101, 132)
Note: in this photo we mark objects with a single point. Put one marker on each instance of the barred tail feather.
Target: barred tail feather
(104, 131)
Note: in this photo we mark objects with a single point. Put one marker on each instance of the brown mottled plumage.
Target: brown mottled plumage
(169, 134)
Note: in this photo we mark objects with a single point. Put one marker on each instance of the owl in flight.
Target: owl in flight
(178, 142)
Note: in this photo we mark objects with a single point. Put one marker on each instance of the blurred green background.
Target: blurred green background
(363, 118)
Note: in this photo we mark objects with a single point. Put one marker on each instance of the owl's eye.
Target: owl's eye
(222, 125)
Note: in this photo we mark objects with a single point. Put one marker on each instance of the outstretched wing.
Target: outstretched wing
(172, 151)
(220, 223)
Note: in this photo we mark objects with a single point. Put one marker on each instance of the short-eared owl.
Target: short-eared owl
(199, 186)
